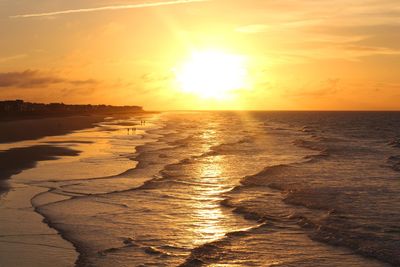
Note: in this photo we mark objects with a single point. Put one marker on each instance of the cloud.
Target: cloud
(34, 79)
(115, 7)
(11, 58)
(326, 29)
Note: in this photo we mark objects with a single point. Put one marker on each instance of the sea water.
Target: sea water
(241, 189)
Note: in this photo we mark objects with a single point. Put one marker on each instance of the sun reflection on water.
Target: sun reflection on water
(206, 209)
(210, 220)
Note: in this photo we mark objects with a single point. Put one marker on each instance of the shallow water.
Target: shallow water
(239, 189)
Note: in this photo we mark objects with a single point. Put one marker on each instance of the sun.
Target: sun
(212, 74)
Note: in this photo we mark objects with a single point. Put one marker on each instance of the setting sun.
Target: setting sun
(212, 74)
(189, 132)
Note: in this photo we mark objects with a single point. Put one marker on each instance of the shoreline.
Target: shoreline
(13, 160)
(91, 201)
(32, 166)
(23, 158)
(25, 238)
(32, 128)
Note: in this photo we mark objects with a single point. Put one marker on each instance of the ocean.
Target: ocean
(237, 189)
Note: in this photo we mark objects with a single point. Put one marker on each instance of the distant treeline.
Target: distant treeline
(20, 107)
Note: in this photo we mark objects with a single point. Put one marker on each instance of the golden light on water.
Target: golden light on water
(212, 74)
(207, 211)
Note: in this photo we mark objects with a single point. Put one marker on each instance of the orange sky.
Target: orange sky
(300, 54)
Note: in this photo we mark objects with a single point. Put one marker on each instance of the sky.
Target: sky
(298, 54)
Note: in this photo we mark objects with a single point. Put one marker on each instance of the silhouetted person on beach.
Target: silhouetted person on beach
(128, 130)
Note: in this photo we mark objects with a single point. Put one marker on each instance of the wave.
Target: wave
(211, 252)
(323, 151)
(166, 174)
(308, 129)
(129, 242)
(278, 197)
(312, 145)
(267, 175)
(228, 148)
(339, 232)
(328, 220)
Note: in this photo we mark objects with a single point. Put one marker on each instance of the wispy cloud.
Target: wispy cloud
(114, 7)
(35, 79)
(11, 58)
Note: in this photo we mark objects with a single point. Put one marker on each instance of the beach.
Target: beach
(207, 189)
(15, 160)
(28, 150)
(200, 133)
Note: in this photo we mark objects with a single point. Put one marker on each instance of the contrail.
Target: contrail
(94, 9)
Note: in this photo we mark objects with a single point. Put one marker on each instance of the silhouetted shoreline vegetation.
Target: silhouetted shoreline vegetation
(20, 108)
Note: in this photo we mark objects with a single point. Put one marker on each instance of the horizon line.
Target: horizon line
(193, 110)
(282, 110)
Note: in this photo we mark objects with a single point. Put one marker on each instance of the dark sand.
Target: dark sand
(24, 242)
(15, 160)
(27, 129)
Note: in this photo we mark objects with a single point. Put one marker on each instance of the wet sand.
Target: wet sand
(27, 169)
(24, 239)
(184, 192)
(15, 160)
(26, 129)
